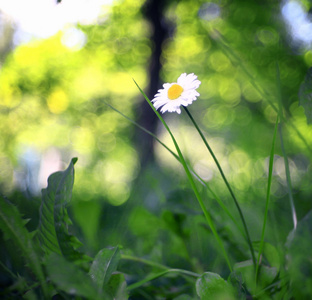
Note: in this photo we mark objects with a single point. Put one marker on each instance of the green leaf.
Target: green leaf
(270, 254)
(69, 278)
(104, 264)
(13, 227)
(213, 286)
(116, 287)
(236, 280)
(299, 263)
(54, 219)
(305, 96)
(266, 275)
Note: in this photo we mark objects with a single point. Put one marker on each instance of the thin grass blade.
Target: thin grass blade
(287, 171)
(235, 59)
(204, 183)
(191, 180)
(227, 185)
(267, 198)
(160, 274)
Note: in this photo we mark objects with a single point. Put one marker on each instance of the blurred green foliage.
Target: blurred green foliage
(52, 105)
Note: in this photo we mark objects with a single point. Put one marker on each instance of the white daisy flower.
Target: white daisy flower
(173, 95)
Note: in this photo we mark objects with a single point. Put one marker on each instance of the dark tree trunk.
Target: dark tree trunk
(153, 12)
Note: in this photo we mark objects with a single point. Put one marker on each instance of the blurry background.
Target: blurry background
(61, 62)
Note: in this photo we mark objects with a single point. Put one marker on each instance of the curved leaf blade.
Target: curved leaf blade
(54, 220)
(213, 286)
(104, 264)
(116, 287)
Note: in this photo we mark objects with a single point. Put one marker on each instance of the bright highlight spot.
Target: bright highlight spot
(209, 11)
(44, 18)
(299, 22)
(175, 91)
(57, 102)
(74, 38)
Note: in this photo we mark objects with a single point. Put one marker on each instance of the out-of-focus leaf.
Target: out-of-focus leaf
(270, 253)
(213, 286)
(69, 278)
(54, 219)
(299, 244)
(237, 281)
(20, 286)
(266, 275)
(183, 297)
(116, 287)
(104, 264)
(13, 227)
(305, 96)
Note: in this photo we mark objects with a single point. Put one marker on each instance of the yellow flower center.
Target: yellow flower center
(175, 91)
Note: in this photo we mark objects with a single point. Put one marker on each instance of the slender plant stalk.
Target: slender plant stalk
(157, 275)
(287, 171)
(191, 180)
(267, 200)
(214, 195)
(288, 179)
(163, 273)
(265, 95)
(144, 261)
(226, 183)
(156, 265)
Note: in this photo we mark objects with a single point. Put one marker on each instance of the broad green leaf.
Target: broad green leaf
(213, 286)
(305, 96)
(13, 227)
(54, 219)
(69, 278)
(104, 264)
(116, 287)
(299, 263)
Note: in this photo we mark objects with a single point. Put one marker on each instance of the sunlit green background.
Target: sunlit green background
(52, 108)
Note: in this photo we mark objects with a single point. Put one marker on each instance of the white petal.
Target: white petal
(182, 79)
(189, 83)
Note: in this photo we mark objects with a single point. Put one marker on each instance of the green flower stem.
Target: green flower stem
(191, 180)
(227, 185)
(214, 195)
(157, 275)
(144, 261)
(156, 265)
(267, 200)
(163, 273)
